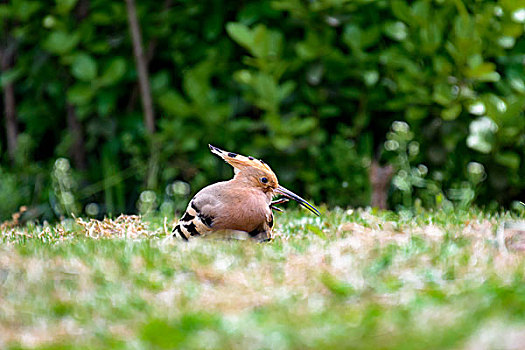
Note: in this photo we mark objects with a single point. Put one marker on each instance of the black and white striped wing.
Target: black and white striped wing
(196, 221)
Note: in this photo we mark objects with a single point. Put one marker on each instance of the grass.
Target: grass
(350, 279)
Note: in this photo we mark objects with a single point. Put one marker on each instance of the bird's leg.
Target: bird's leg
(278, 201)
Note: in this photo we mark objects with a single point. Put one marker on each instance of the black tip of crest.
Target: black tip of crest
(216, 149)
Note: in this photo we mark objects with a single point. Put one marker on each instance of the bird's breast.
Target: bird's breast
(243, 210)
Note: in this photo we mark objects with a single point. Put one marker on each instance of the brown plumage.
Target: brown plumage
(241, 206)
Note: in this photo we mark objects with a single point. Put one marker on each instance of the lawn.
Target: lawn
(349, 279)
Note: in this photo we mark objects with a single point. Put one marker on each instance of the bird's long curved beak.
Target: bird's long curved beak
(291, 195)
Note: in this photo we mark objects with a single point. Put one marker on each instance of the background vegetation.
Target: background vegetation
(316, 88)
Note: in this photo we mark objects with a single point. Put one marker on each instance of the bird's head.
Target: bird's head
(256, 173)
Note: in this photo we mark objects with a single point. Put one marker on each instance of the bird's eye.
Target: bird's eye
(264, 180)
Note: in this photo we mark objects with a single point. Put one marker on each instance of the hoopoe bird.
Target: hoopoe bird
(240, 207)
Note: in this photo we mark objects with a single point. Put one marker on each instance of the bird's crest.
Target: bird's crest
(240, 162)
(260, 175)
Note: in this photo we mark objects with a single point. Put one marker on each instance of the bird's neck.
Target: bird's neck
(245, 184)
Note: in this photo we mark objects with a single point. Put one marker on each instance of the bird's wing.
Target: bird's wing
(196, 221)
(219, 208)
(199, 216)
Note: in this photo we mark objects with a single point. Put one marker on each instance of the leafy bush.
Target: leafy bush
(314, 88)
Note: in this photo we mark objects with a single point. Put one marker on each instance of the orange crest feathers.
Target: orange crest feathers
(260, 175)
(240, 162)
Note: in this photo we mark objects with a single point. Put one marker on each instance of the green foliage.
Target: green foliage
(315, 88)
(10, 195)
